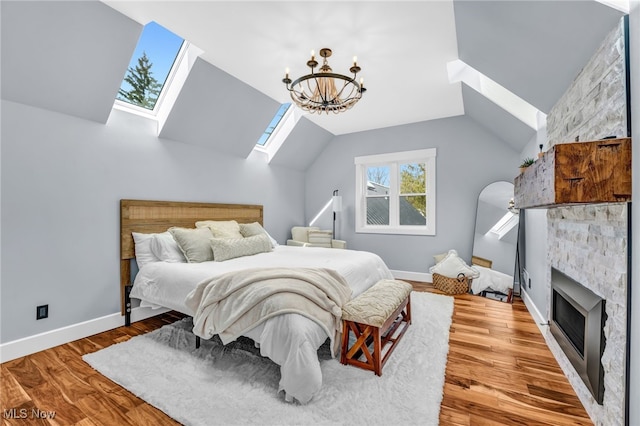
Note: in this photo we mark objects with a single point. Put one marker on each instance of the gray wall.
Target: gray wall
(634, 388)
(469, 157)
(533, 48)
(535, 224)
(84, 48)
(62, 179)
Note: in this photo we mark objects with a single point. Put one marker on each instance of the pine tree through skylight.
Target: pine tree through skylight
(150, 66)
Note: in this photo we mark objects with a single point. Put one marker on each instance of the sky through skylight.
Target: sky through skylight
(161, 47)
(273, 125)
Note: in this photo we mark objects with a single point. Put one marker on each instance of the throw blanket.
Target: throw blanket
(236, 302)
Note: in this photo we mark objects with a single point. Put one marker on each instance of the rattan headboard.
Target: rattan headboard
(158, 216)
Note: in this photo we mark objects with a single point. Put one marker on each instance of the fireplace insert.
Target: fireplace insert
(577, 322)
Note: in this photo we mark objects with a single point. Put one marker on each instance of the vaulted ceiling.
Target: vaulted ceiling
(533, 48)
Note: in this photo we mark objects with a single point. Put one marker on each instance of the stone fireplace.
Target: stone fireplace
(588, 244)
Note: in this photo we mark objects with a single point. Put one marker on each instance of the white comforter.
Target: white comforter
(490, 279)
(290, 340)
(236, 302)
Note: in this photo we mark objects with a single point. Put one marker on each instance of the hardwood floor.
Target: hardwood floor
(499, 371)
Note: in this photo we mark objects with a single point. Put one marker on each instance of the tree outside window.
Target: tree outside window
(396, 193)
(144, 88)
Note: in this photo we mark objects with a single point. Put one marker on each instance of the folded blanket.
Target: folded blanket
(233, 303)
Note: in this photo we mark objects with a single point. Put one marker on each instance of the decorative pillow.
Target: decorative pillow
(301, 233)
(251, 229)
(194, 243)
(320, 238)
(142, 247)
(166, 249)
(221, 228)
(230, 248)
(452, 265)
(438, 257)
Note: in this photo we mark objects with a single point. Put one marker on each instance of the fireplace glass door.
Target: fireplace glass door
(570, 321)
(577, 321)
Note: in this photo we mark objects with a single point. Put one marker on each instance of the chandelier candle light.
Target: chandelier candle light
(325, 91)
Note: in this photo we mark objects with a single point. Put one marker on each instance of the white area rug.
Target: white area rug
(234, 385)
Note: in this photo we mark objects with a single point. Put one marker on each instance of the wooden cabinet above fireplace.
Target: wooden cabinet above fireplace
(577, 173)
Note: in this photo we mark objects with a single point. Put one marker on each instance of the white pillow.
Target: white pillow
(230, 248)
(452, 265)
(142, 247)
(320, 238)
(221, 228)
(166, 249)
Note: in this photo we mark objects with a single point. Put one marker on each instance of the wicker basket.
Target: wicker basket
(448, 285)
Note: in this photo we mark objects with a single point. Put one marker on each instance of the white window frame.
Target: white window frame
(393, 161)
(280, 133)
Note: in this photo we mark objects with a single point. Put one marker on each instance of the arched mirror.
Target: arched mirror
(495, 242)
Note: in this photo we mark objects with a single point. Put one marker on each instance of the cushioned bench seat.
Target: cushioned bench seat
(380, 316)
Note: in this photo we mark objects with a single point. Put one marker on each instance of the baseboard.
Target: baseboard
(413, 276)
(39, 342)
(540, 320)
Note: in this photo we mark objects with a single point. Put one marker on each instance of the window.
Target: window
(150, 69)
(504, 225)
(395, 193)
(278, 130)
(273, 125)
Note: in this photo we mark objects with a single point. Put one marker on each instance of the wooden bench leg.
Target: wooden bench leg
(377, 352)
(345, 342)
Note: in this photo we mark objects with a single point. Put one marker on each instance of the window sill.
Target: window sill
(404, 230)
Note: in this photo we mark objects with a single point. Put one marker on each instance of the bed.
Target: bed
(290, 340)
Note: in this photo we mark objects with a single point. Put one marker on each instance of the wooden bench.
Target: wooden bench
(378, 318)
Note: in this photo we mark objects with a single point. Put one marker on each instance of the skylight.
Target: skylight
(504, 225)
(273, 125)
(157, 51)
(278, 130)
(460, 71)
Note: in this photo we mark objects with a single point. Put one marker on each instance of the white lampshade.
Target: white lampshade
(337, 203)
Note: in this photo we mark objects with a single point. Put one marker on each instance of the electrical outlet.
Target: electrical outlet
(42, 311)
(527, 279)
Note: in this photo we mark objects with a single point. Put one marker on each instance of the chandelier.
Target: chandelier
(325, 91)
